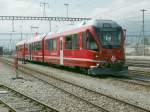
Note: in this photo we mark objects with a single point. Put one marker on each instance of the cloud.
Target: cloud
(20, 7)
(120, 9)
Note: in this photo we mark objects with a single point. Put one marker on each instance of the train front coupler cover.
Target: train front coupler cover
(109, 69)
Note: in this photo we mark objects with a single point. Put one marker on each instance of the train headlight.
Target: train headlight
(113, 58)
(96, 56)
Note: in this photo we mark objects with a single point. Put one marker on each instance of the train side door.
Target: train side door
(61, 51)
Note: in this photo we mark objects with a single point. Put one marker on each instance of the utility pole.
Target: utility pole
(143, 29)
(13, 26)
(21, 32)
(43, 4)
(33, 27)
(67, 6)
(44, 12)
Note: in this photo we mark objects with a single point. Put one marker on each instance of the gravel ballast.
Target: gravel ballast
(51, 96)
(130, 93)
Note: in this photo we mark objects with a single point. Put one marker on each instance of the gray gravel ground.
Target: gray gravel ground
(44, 92)
(136, 95)
(3, 108)
(98, 99)
(131, 93)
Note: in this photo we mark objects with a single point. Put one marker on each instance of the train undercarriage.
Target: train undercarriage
(109, 69)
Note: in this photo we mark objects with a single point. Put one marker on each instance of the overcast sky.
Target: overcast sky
(120, 10)
(77, 8)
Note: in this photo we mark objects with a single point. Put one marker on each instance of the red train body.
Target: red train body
(96, 46)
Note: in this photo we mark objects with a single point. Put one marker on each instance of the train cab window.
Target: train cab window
(72, 42)
(91, 44)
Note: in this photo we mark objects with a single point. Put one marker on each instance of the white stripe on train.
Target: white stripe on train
(74, 59)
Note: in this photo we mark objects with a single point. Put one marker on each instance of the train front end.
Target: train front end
(111, 39)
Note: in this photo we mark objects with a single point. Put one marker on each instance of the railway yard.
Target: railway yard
(74, 56)
(42, 88)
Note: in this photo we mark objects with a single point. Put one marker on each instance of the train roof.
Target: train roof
(21, 43)
(50, 35)
(99, 23)
(30, 40)
(103, 23)
(36, 38)
(39, 37)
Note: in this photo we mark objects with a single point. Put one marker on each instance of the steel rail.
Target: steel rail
(44, 106)
(10, 109)
(90, 90)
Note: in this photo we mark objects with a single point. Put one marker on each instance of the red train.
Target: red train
(96, 46)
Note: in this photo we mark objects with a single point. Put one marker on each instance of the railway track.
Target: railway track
(18, 102)
(99, 100)
(138, 63)
(139, 72)
(5, 107)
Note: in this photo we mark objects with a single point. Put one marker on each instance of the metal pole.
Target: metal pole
(21, 32)
(67, 6)
(13, 27)
(44, 8)
(143, 30)
(33, 27)
(50, 25)
(44, 12)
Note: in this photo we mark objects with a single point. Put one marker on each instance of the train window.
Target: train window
(51, 44)
(54, 44)
(83, 40)
(68, 42)
(38, 45)
(61, 45)
(72, 42)
(47, 44)
(91, 44)
(75, 42)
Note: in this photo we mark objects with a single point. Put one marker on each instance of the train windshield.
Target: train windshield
(110, 39)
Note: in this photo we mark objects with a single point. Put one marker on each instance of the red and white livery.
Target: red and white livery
(96, 46)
